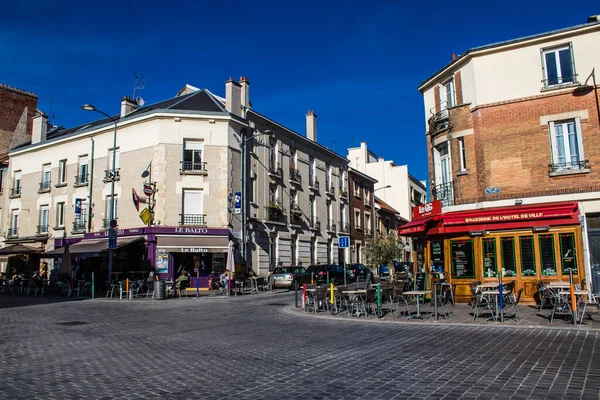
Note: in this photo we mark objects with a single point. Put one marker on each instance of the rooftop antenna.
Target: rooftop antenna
(135, 86)
(51, 110)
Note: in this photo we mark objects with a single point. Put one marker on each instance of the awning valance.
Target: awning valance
(88, 246)
(19, 249)
(416, 227)
(211, 242)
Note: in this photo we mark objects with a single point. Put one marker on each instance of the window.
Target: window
(44, 220)
(60, 214)
(192, 155)
(113, 154)
(547, 255)
(528, 263)
(62, 171)
(81, 214)
(193, 207)
(462, 154)
(312, 210)
(46, 174)
(443, 174)
(567, 145)
(14, 223)
(342, 218)
(367, 196)
(82, 171)
(490, 267)
(462, 256)
(558, 65)
(109, 208)
(357, 219)
(356, 188)
(16, 190)
(254, 188)
(568, 258)
(507, 248)
(368, 222)
(447, 95)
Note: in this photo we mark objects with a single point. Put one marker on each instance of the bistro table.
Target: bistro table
(355, 295)
(417, 293)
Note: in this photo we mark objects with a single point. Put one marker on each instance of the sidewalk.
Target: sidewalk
(461, 314)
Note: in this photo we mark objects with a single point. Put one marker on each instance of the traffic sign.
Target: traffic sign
(344, 242)
(112, 238)
(148, 190)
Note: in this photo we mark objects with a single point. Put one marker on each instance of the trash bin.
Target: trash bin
(159, 290)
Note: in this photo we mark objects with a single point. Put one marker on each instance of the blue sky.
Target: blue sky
(357, 64)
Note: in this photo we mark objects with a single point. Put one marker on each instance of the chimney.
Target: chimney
(453, 56)
(40, 127)
(128, 105)
(245, 94)
(233, 101)
(311, 125)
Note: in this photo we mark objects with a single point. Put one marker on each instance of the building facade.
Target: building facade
(513, 156)
(362, 214)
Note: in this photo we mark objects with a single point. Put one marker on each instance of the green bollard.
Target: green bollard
(92, 285)
(379, 300)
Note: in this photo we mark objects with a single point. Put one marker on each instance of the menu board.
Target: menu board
(547, 254)
(462, 258)
(567, 252)
(528, 267)
(490, 267)
(437, 256)
(420, 281)
(507, 248)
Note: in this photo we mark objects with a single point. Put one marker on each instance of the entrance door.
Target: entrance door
(594, 241)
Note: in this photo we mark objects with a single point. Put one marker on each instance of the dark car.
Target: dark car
(357, 271)
(320, 272)
(290, 277)
(399, 266)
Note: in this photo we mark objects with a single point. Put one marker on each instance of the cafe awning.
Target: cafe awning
(416, 227)
(91, 246)
(19, 249)
(186, 242)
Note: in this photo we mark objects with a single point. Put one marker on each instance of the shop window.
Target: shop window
(463, 265)
(507, 247)
(548, 258)
(490, 267)
(568, 258)
(528, 264)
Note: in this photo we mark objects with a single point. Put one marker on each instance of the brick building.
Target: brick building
(362, 213)
(514, 160)
(17, 109)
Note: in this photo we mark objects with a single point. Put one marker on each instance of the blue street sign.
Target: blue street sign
(112, 238)
(77, 208)
(237, 204)
(344, 242)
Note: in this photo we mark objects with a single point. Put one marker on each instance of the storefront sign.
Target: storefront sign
(427, 209)
(463, 263)
(510, 214)
(437, 255)
(162, 261)
(194, 250)
(163, 230)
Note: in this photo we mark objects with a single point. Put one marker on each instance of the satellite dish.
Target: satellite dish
(140, 101)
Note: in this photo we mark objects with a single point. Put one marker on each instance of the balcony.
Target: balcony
(569, 167)
(315, 224)
(81, 180)
(193, 168)
(439, 121)
(192, 219)
(275, 169)
(368, 232)
(343, 194)
(79, 226)
(276, 213)
(108, 175)
(331, 227)
(296, 214)
(344, 228)
(295, 176)
(329, 189)
(106, 223)
(560, 81)
(15, 192)
(313, 183)
(45, 187)
(12, 232)
(42, 230)
(445, 193)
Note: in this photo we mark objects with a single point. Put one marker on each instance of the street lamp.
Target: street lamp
(383, 187)
(112, 233)
(152, 188)
(243, 169)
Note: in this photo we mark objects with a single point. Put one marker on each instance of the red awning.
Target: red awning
(418, 226)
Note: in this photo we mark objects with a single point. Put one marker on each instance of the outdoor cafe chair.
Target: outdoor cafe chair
(592, 300)
(482, 302)
(511, 302)
(444, 297)
(181, 288)
(474, 297)
(560, 303)
(318, 300)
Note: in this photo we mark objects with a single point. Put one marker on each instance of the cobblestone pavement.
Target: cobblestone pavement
(257, 347)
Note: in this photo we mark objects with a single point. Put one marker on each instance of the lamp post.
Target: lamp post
(113, 223)
(152, 185)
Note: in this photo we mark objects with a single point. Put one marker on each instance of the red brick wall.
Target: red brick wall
(458, 88)
(14, 103)
(359, 202)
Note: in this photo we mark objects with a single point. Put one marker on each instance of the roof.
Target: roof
(463, 56)
(385, 206)
(352, 171)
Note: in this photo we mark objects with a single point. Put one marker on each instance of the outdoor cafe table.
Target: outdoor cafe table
(355, 293)
(417, 293)
(566, 294)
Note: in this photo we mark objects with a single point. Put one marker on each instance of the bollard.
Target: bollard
(312, 278)
(435, 304)
(573, 303)
(345, 273)
(379, 300)
(331, 293)
(304, 296)
(327, 278)
(296, 295)
(127, 286)
(500, 299)
(92, 285)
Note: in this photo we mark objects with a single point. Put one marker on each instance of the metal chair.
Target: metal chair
(512, 302)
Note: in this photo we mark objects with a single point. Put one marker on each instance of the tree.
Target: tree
(383, 250)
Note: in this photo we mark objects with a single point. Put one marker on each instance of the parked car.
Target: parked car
(399, 266)
(319, 272)
(357, 270)
(290, 277)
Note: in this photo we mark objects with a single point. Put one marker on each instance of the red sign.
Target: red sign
(148, 190)
(427, 209)
(136, 199)
(512, 214)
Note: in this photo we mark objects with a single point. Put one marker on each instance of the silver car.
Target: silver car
(290, 277)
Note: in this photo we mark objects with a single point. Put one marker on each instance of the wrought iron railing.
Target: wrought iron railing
(343, 192)
(313, 183)
(108, 175)
(192, 219)
(331, 227)
(315, 223)
(45, 187)
(79, 225)
(81, 180)
(194, 167)
(42, 229)
(345, 228)
(445, 193)
(330, 189)
(568, 166)
(275, 168)
(439, 121)
(295, 176)
(276, 213)
(106, 223)
(15, 192)
(560, 80)
(12, 232)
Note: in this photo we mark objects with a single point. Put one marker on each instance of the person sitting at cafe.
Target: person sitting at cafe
(181, 280)
(224, 279)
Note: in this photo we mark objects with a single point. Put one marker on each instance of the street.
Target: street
(257, 347)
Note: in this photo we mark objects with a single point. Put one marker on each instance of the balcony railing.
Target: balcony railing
(275, 169)
(79, 226)
(440, 120)
(344, 228)
(343, 193)
(192, 219)
(313, 183)
(12, 232)
(368, 231)
(276, 213)
(315, 224)
(108, 175)
(330, 189)
(190, 167)
(568, 166)
(445, 193)
(106, 223)
(295, 176)
(331, 227)
(15, 192)
(81, 180)
(42, 230)
(45, 187)
(560, 80)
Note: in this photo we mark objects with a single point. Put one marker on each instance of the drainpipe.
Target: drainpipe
(90, 203)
